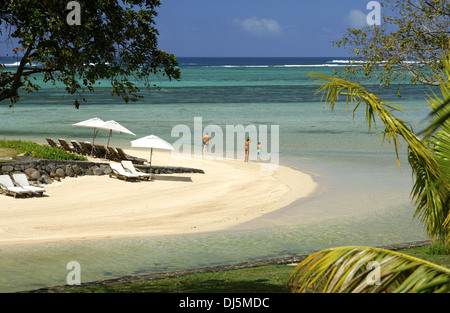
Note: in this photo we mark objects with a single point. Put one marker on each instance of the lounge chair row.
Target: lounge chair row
(20, 186)
(99, 151)
(126, 171)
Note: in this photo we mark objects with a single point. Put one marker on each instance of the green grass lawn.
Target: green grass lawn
(431, 254)
(10, 148)
(264, 279)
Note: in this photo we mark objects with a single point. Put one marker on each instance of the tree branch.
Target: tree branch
(17, 78)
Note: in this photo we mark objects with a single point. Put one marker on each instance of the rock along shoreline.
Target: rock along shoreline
(47, 171)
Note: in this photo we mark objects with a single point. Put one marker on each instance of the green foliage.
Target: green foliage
(428, 157)
(431, 191)
(441, 107)
(409, 43)
(349, 270)
(116, 41)
(344, 269)
(264, 279)
(438, 248)
(33, 149)
(332, 88)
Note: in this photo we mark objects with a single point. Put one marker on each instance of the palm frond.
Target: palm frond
(441, 151)
(355, 269)
(432, 192)
(443, 113)
(332, 88)
(428, 157)
(441, 108)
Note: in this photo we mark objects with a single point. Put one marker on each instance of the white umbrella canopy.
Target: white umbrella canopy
(94, 122)
(113, 126)
(152, 142)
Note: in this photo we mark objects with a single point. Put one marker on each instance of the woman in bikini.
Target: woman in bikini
(247, 148)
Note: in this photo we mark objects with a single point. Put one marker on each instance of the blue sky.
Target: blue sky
(252, 28)
(255, 28)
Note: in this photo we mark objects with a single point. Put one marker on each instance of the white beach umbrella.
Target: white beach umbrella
(113, 126)
(152, 142)
(92, 123)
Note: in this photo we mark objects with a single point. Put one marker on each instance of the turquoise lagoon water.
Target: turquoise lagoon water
(362, 193)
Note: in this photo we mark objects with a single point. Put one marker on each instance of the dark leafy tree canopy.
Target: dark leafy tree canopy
(409, 43)
(115, 41)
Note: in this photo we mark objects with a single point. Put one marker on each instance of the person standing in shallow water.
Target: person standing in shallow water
(258, 150)
(247, 148)
(206, 140)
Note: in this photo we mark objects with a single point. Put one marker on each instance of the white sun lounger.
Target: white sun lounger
(7, 186)
(119, 172)
(22, 181)
(128, 165)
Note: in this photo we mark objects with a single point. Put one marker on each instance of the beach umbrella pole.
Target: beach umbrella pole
(151, 153)
(93, 138)
(93, 142)
(110, 133)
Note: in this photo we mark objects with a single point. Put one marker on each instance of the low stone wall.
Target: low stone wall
(46, 171)
(167, 169)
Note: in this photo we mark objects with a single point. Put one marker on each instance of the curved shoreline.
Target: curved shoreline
(230, 192)
(218, 166)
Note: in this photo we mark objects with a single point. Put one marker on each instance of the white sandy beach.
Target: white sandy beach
(99, 207)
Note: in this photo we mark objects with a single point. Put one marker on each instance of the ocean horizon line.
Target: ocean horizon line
(14, 61)
(250, 57)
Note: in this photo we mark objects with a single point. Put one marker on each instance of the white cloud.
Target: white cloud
(259, 27)
(356, 19)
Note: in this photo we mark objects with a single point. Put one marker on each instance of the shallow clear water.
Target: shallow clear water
(25, 268)
(362, 193)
